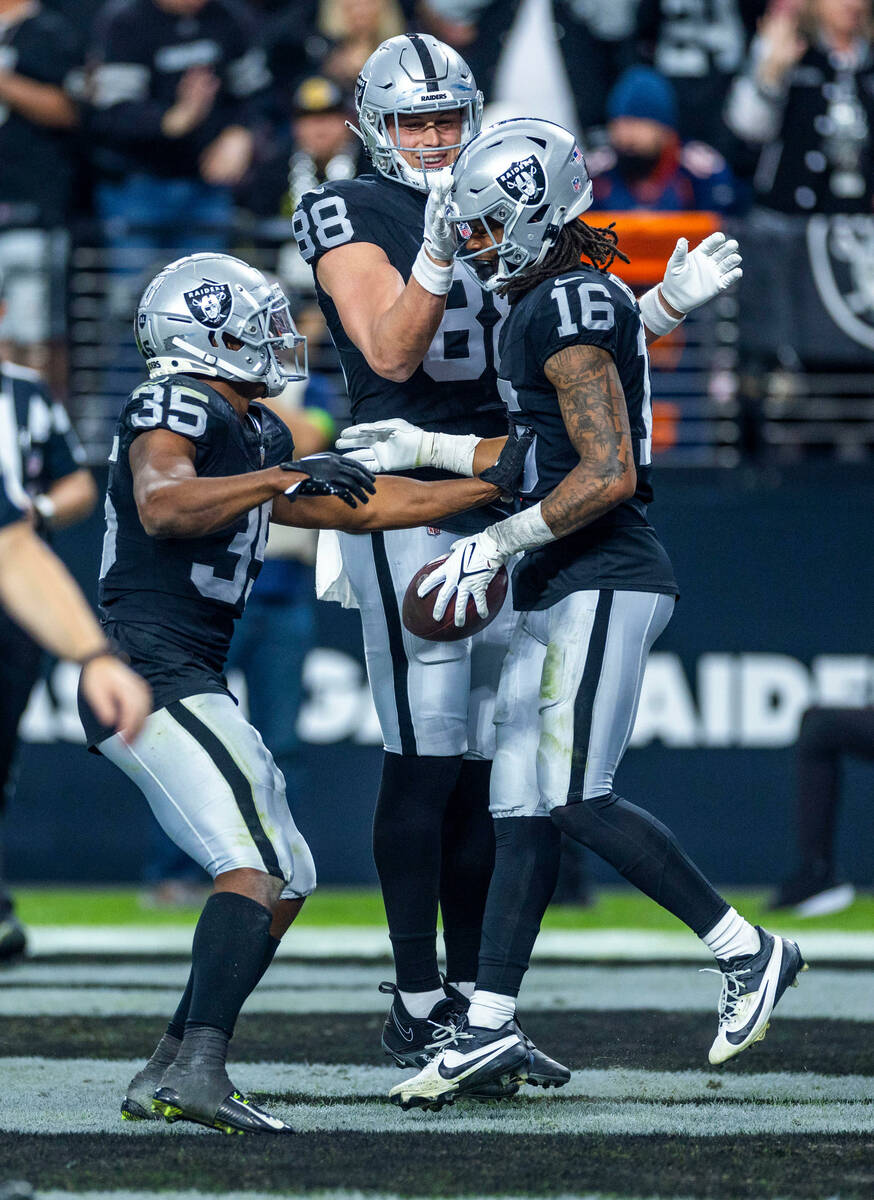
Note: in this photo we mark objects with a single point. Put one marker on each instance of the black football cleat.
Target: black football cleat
(751, 986)
(211, 1099)
(139, 1093)
(473, 1058)
(542, 1071)
(412, 1041)
(13, 940)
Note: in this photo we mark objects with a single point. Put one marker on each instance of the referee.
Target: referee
(42, 465)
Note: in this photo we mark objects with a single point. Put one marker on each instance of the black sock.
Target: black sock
(407, 827)
(231, 942)
(176, 1028)
(645, 851)
(527, 851)
(468, 859)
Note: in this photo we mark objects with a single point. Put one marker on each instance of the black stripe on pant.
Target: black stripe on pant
(239, 784)
(399, 662)
(585, 702)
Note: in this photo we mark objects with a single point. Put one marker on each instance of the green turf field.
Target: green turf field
(615, 908)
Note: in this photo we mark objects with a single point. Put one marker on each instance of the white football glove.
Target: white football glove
(693, 278)
(472, 564)
(393, 445)
(396, 445)
(439, 235)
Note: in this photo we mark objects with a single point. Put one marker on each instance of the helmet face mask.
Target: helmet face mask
(212, 314)
(529, 178)
(413, 75)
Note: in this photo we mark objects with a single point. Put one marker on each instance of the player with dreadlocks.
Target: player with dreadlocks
(593, 590)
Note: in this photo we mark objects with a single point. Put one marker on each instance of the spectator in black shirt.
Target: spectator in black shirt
(316, 146)
(699, 45)
(37, 54)
(807, 98)
(177, 88)
(175, 92)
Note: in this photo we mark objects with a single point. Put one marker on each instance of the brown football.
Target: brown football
(418, 611)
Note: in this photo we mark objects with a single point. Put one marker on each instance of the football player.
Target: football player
(198, 470)
(417, 339)
(594, 587)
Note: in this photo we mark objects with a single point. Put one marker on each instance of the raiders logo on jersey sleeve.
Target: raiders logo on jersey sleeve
(210, 304)
(524, 180)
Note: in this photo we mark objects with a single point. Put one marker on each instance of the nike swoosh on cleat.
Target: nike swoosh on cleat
(406, 1034)
(475, 1059)
(737, 1037)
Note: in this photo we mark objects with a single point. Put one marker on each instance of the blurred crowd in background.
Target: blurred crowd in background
(133, 131)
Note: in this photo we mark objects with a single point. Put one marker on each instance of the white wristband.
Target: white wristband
(525, 530)
(451, 452)
(655, 316)
(434, 279)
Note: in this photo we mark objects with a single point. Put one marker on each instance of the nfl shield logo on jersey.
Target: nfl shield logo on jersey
(210, 304)
(524, 180)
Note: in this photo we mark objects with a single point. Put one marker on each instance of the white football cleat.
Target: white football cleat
(751, 986)
(472, 1058)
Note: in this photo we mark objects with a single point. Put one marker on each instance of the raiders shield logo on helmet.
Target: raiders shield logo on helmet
(210, 304)
(524, 180)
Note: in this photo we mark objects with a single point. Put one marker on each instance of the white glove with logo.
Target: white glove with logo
(472, 564)
(439, 235)
(693, 278)
(396, 445)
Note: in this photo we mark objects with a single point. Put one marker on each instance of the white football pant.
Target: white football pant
(432, 698)
(216, 791)
(568, 698)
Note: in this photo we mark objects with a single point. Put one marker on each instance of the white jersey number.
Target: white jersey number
(175, 412)
(458, 350)
(327, 222)
(248, 544)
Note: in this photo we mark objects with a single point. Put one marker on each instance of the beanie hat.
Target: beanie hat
(643, 92)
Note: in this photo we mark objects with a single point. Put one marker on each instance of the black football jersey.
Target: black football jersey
(455, 388)
(48, 448)
(620, 550)
(171, 603)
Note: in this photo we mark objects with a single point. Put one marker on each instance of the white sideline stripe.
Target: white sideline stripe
(68, 1078)
(821, 994)
(320, 1195)
(372, 942)
(577, 1117)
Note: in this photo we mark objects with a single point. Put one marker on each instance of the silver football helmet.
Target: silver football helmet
(412, 73)
(193, 314)
(526, 175)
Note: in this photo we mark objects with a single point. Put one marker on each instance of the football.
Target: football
(418, 611)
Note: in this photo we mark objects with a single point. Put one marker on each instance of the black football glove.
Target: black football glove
(507, 471)
(331, 475)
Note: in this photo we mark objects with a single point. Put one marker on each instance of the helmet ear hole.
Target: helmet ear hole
(231, 343)
(212, 340)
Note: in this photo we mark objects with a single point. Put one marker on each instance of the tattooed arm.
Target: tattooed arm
(593, 406)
